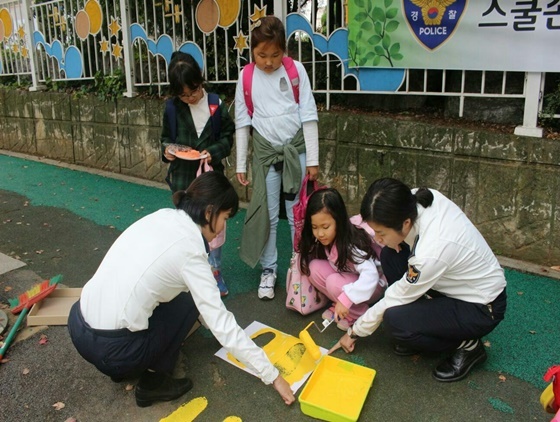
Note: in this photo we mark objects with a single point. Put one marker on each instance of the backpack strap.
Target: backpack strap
(248, 71)
(293, 75)
(171, 112)
(215, 114)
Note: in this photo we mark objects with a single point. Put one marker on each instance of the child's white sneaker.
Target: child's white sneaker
(266, 287)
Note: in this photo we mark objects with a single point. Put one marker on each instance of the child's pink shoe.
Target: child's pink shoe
(328, 314)
(345, 323)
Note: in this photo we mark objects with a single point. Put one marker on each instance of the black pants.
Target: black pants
(440, 323)
(125, 353)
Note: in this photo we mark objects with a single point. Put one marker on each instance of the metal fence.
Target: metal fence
(62, 40)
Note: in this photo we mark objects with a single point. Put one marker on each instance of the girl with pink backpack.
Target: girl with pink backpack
(340, 258)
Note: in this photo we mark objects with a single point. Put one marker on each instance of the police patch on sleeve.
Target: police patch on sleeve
(413, 274)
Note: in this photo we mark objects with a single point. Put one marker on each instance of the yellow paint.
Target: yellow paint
(103, 45)
(114, 27)
(309, 344)
(337, 390)
(233, 419)
(6, 19)
(188, 411)
(229, 11)
(117, 51)
(258, 13)
(241, 42)
(95, 13)
(287, 353)
(547, 399)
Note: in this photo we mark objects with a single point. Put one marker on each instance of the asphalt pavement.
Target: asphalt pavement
(44, 379)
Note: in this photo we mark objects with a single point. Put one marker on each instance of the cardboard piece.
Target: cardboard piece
(54, 309)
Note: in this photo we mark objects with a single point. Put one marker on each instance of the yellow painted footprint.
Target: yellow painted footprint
(189, 411)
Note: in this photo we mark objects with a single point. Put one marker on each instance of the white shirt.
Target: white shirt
(449, 255)
(276, 115)
(200, 112)
(155, 259)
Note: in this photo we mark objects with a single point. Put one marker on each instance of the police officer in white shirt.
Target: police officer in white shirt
(448, 289)
(148, 292)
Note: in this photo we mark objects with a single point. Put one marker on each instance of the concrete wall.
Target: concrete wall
(507, 185)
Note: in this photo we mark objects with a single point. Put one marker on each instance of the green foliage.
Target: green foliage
(372, 43)
(550, 108)
(109, 87)
(15, 81)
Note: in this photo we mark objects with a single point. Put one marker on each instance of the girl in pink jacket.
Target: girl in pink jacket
(339, 257)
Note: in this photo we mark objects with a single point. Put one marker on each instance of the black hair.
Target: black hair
(348, 236)
(183, 72)
(389, 202)
(269, 29)
(211, 190)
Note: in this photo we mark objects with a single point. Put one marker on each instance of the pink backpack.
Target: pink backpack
(248, 71)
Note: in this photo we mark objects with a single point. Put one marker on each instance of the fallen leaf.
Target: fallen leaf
(502, 378)
(532, 332)
(487, 343)
(43, 340)
(72, 419)
(8, 288)
(58, 405)
(5, 360)
(520, 293)
(556, 267)
(25, 371)
(39, 252)
(129, 387)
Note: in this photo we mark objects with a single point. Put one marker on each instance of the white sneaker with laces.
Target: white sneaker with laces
(266, 287)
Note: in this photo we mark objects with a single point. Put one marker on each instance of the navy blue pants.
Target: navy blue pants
(440, 323)
(123, 353)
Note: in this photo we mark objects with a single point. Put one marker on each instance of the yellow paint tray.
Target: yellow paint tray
(337, 390)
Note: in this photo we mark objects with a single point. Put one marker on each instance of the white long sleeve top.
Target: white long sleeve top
(449, 255)
(155, 259)
(276, 115)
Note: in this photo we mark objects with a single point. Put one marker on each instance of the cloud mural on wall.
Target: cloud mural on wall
(164, 45)
(369, 79)
(69, 61)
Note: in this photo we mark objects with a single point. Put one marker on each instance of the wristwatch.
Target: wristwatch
(351, 334)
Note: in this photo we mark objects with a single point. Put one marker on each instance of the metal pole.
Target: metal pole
(127, 47)
(32, 50)
(533, 96)
(280, 7)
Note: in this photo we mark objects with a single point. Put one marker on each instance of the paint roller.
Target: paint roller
(308, 342)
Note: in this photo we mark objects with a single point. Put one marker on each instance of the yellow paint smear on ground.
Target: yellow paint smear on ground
(188, 411)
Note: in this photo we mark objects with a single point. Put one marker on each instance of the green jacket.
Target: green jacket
(257, 222)
(183, 172)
